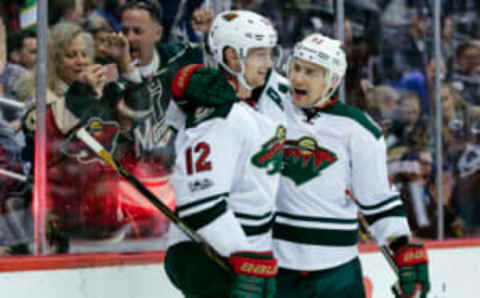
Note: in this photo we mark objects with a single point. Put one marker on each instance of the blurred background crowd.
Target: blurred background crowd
(391, 67)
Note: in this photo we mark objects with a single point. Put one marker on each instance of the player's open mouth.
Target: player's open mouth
(298, 94)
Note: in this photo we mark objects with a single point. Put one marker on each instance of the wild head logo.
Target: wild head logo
(304, 159)
(270, 156)
(105, 132)
(230, 16)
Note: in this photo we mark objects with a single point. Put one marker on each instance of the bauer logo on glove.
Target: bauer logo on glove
(412, 262)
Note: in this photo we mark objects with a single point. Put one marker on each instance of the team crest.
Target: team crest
(270, 156)
(304, 160)
(105, 132)
(230, 16)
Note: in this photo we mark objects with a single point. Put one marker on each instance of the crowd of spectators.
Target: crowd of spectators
(106, 45)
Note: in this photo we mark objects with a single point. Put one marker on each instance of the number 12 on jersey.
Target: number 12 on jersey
(200, 152)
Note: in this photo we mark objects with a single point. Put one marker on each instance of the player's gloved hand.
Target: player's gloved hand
(255, 275)
(412, 263)
(196, 86)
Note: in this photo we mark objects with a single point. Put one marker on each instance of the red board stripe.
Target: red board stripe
(456, 243)
(72, 261)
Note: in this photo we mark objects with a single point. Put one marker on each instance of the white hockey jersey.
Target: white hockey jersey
(226, 177)
(340, 149)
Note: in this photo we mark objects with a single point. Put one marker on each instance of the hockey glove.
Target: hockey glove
(412, 263)
(196, 86)
(255, 275)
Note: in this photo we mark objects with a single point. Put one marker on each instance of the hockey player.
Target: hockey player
(242, 43)
(333, 153)
(227, 166)
(225, 181)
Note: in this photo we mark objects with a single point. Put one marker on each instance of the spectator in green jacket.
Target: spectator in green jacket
(141, 57)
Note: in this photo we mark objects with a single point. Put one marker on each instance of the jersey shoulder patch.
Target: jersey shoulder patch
(357, 115)
(277, 87)
(203, 114)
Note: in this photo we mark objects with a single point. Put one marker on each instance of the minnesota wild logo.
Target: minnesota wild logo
(304, 159)
(105, 132)
(270, 156)
(230, 16)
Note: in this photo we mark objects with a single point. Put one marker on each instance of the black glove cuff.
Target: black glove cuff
(398, 243)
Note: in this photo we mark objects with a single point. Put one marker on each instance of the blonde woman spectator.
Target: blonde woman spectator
(70, 60)
(88, 199)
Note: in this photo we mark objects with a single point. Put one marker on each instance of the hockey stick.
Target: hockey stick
(12, 103)
(96, 147)
(16, 176)
(386, 252)
(383, 248)
(366, 226)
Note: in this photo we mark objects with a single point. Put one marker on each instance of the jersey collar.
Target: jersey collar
(312, 112)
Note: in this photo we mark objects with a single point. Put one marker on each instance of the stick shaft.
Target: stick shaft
(13, 175)
(85, 137)
(383, 249)
(12, 103)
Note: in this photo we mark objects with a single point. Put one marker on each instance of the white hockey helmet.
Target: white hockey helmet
(241, 30)
(326, 52)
